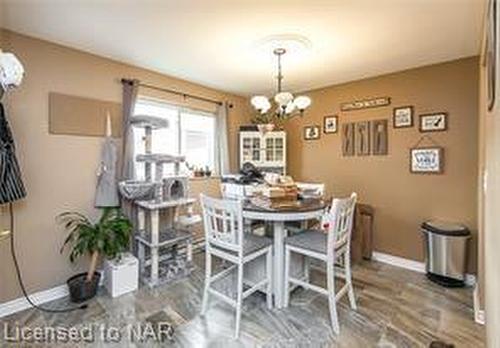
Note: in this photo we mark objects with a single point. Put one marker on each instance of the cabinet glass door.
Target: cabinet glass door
(278, 149)
(247, 149)
(256, 149)
(269, 149)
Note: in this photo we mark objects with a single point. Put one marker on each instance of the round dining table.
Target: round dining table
(277, 215)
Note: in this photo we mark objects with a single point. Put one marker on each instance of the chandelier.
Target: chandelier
(286, 104)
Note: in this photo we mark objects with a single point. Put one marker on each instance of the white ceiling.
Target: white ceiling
(213, 41)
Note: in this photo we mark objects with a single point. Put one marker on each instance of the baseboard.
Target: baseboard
(40, 297)
(470, 279)
(479, 316)
(399, 262)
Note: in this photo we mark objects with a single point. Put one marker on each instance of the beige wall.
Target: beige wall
(59, 171)
(401, 200)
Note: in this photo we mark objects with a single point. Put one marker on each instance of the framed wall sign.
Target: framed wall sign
(365, 104)
(348, 138)
(379, 138)
(312, 132)
(436, 122)
(363, 138)
(330, 124)
(427, 160)
(402, 117)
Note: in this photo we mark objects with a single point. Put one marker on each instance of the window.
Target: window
(190, 133)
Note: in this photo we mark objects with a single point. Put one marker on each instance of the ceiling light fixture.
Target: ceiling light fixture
(287, 104)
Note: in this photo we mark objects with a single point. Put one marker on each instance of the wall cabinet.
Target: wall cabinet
(266, 151)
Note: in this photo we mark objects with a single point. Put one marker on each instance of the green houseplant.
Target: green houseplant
(109, 236)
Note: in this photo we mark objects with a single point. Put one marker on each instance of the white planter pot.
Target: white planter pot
(121, 275)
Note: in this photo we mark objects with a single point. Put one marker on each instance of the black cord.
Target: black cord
(20, 279)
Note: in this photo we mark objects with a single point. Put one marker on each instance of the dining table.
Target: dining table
(276, 216)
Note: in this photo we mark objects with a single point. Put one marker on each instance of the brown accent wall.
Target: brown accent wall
(401, 200)
(59, 170)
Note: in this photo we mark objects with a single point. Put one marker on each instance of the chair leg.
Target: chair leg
(208, 275)
(348, 279)
(306, 269)
(287, 276)
(239, 300)
(269, 275)
(332, 303)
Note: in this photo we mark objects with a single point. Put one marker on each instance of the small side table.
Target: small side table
(362, 234)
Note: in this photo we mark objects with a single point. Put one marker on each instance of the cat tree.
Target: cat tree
(163, 236)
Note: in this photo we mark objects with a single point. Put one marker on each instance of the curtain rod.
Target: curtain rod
(171, 91)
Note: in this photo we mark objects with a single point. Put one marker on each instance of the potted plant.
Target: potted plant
(109, 236)
(267, 122)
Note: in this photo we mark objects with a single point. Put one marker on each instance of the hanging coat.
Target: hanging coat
(11, 183)
(107, 185)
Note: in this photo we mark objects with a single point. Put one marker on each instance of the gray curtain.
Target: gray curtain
(221, 141)
(130, 89)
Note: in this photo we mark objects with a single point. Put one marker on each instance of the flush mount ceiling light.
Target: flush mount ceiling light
(287, 104)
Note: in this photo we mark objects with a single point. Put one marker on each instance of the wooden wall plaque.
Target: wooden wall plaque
(365, 104)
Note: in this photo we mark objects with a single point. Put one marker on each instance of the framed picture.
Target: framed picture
(311, 132)
(380, 139)
(402, 117)
(363, 138)
(437, 122)
(330, 124)
(348, 137)
(427, 160)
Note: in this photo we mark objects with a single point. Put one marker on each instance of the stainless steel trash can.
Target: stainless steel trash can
(445, 252)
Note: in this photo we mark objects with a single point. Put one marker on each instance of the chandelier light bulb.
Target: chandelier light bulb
(290, 107)
(283, 98)
(302, 102)
(266, 106)
(261, 103)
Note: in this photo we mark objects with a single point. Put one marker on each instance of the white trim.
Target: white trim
(479, 316)
(399, 262)
(40, 297)
(470, 279)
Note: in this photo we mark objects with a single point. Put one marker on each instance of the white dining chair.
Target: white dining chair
(225, 238)
(330, 245)
(311, 190)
